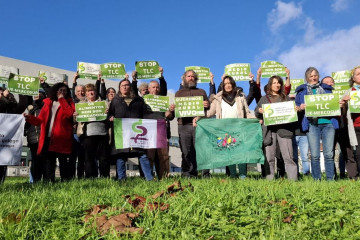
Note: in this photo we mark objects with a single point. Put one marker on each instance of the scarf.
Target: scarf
(319, 89)
(229, 98)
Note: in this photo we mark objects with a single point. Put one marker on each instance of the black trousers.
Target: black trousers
(37, 168)
(78, 153)
(3, 170)
(187, 146)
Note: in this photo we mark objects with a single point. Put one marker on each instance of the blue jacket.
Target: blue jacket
(301, 91)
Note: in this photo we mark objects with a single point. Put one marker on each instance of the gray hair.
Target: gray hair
(190, 70)
(142, 86)
(309, 71)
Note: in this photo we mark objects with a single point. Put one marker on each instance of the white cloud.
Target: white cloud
(311, 32)
(333, 52)
(282, 14)
(340, 5)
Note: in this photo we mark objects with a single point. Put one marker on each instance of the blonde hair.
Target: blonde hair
(351, 80)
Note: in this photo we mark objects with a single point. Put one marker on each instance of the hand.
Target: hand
(127, 76)
(206, 104)
(42, 80)
(134, 75)
(251, 76)
(297, 108)
(6, 93)
(26, 116)
(261, 121)
(223, 76)
(195, 119)
(259, 72)
(99, 75)
(287, 72)
(212, 78)
(261, 110)
(172, 107)
(302, 107)
(161, 70)
(111, 119)
(76, 76)
(345, 98)
(75, 114)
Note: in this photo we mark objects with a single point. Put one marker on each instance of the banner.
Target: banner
(279, 113)
(157, 103)
(91, 111)
(341, 79)
(295, 83)
(52, 78)
(223, 142)
(238, 71)
(322, 105)
(11, 138)
(88, 70)
(202, 72)
(113, 70)
(25, 85)
(271, 68)
(5, 73)
(189, 106)
(147, 69)
(354, 103)
(139, 133)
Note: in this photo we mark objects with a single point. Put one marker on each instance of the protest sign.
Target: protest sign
(189, 106)
(52, 78)
(354, 102)
(271, 68)
(91, 111)
(157, 103)
(295, 83)
(11, 138)
(5, 72)
(147, 69)
(88, 70)
(224, 142)
(238, 71)
(139, 133)
(113, 70)
(25, 85)
(341, 79)
(322, 105)
(202, 72)
(279, 113)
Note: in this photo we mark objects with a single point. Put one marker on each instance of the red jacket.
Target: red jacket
(62, 132)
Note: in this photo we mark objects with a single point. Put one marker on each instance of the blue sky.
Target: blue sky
(299, 34)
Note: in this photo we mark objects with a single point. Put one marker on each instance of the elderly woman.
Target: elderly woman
(230, 102)
(281, 134)
(126, 105)
(322, 128)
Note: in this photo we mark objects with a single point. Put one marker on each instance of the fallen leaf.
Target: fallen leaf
(342, 189)
(288, 219)
(158, 194)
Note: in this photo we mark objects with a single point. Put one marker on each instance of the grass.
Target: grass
(217, 208)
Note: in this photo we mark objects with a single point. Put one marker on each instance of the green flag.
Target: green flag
(223, 142)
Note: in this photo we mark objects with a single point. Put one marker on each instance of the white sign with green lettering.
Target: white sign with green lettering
(354, 103)
(295, 83)
(88, 70)
(271, 68)
(91, 111)
(322, 105)
(147, 69)
(113, 70)
(202, 72)
(238, 71)
(5, 72)
(25, 85)
(341, 79)
(189, 106)
(157, 103)
(52, 78)
(279, 113)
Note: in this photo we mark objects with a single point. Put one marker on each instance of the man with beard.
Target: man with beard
(186, 125)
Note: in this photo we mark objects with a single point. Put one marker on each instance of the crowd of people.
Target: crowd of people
(87, 149)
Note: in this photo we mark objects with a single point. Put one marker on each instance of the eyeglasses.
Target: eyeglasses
(125, 85)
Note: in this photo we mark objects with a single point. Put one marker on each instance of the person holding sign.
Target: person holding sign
(127, 105)
(94, 139)
(282, 133)
(230, 103)
(322, 128)
(186, 125)
(353, 122)
(144, 87)
(56, 130)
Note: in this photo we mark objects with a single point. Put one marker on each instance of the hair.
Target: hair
(54, 89)
(143, 86)
(108, 90)
(281, 91)
(322, 80)
(132, 95)
(80, 86)
(190, 70)
(351, 80)
(309, 71)
(232, 82)
(154, 81)
(90, 87)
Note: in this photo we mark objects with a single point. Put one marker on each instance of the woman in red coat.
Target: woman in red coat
(56, 130)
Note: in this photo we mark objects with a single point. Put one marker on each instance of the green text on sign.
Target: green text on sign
(147, 69)
(238, 71)
(322, 105)
(113, 70)
(189, 106)
(88, 70)
(157, 103)
(279, 113)
(25, 85)
(202, 72)
(271, 68)
(354, 103)
(91, 111)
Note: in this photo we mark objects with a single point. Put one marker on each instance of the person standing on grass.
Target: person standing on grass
(353, 125)
(322, 128)
(127, 105)
(56, 130)
(281, 134)
(186, 126)
(230, 102)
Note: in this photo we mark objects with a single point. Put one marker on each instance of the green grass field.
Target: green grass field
(215, 208)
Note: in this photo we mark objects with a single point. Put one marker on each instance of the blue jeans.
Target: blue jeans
(143, 161)
(325, 132)
(302, 143)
